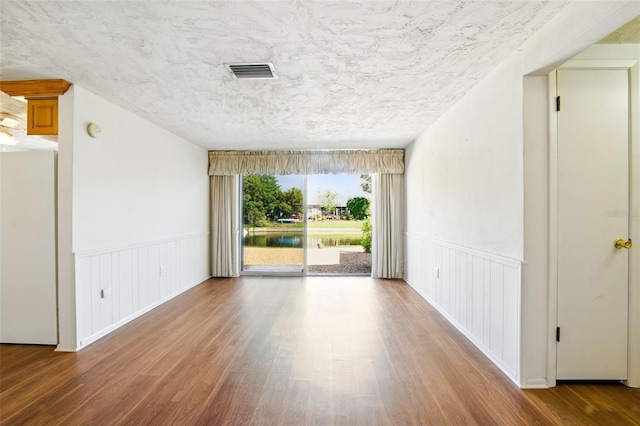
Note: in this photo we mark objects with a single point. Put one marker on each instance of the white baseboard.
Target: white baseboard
(65, 349)
(535, 384)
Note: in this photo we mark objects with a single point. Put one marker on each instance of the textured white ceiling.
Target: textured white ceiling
(351, 74)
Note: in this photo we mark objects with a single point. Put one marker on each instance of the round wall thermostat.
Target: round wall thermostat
(94, 130)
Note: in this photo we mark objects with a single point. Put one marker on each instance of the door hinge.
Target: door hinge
(557, 334)
(557, 103)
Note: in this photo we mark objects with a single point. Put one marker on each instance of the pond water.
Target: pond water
(291, 240)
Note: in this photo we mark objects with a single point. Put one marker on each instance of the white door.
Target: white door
(593, 205)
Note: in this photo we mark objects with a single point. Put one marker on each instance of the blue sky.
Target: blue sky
(346, 186)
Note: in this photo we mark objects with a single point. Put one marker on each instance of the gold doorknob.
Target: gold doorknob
(620, 243)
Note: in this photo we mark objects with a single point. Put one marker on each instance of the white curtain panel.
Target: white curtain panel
(225, 215)
(387, 221)
(306, 162)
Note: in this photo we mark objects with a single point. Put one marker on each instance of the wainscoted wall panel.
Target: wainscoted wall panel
(477, 292)
(119, 284)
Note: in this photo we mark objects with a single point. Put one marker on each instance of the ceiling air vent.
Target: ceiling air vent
(253, 70)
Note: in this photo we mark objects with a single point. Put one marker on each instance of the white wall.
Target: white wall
(67, 336)
(28, 251)
(465, 179)
(536, 228)
(464, 174)
(137, 187)
(465, 190)
(136, 182)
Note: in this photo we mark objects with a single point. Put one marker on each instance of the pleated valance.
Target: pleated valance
(224, 163)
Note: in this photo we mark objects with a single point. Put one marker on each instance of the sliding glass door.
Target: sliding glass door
(338, 242)
(287, 232)
(273, 224)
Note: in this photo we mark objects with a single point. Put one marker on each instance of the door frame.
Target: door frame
(304, 271)
(599, 57)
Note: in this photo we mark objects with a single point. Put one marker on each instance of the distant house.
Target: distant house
(313, 211)
(341, 210)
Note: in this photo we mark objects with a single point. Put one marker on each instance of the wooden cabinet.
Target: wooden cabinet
(42, 102)
(42, 116)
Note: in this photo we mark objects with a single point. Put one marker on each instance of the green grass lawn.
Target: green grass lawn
(310, 234)
(317, 224)
(334, 224)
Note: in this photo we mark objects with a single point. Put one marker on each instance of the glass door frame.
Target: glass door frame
(305, 269)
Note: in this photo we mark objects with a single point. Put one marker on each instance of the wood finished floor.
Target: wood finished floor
(293, 351)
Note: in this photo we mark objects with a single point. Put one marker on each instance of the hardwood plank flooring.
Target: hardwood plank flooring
(289, 351)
